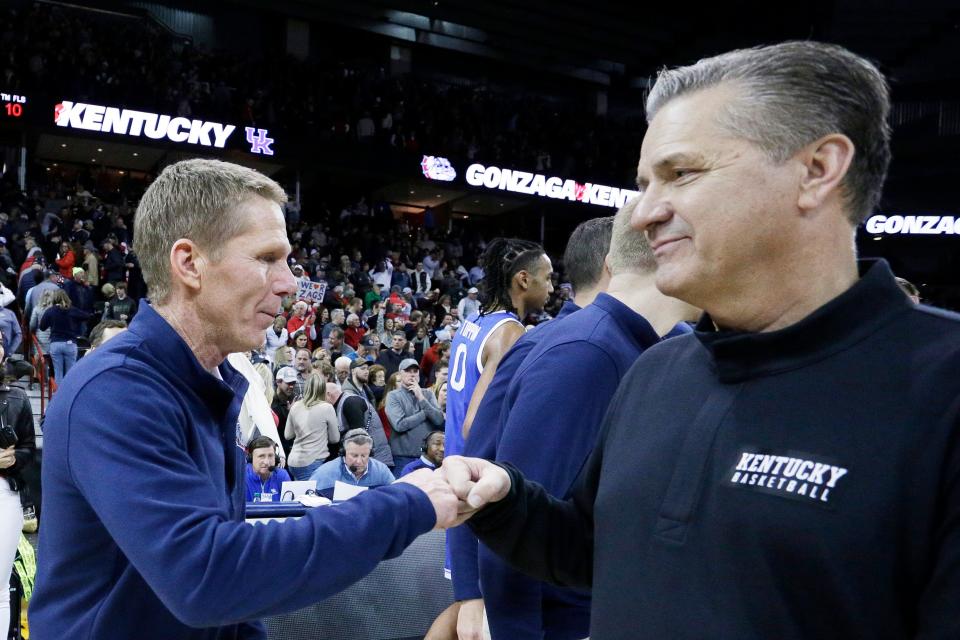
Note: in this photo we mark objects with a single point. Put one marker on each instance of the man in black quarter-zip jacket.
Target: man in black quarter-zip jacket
(792, 469)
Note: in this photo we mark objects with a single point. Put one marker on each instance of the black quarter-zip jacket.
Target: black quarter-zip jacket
(802, 483)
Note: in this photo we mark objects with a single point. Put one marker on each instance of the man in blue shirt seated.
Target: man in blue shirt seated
(264, 479)
(354, 466)
(432, 453)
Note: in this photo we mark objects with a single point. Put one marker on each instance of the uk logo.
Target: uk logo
(259, 142)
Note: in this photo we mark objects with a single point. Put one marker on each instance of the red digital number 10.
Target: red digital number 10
(14, 110)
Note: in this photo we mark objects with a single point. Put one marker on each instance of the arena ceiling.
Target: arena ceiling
(602, 41)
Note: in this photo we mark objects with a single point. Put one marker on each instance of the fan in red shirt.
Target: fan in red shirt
(354, 331)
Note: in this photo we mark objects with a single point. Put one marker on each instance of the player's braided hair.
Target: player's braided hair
(503, 259)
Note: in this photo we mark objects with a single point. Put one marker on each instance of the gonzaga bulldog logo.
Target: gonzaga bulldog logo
(437, 168)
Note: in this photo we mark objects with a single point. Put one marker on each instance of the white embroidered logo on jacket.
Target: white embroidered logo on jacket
(789, 476)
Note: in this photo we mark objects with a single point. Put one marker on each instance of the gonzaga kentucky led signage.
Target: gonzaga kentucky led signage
(514, 181)
(913, 225)
(128, 122)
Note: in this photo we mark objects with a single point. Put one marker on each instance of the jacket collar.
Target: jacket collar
(633, 323)
(165, 345)
(852, 316)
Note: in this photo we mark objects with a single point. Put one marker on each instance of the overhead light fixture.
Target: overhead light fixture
(100, 150)
(439, 195)
(48, 168)
(476, 202)
(93, 159)
(878, 237)
(63, 144)
(120, 172)
(135, 154)
(412, 192)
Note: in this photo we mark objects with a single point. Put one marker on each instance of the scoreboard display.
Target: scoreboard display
(12, 105)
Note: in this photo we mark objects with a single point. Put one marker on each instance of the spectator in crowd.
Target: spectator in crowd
(354, 332)
(91, 264)
(301, 320)
(391, 358)
(354, 466)
(15, 456)
(105, 330)
(276, 337)
(413, 413)
(10, 328)
(786, 307)
(113, 265)
(42, 335)
(437, 352)
(431, 453)
(421, 281)
(385, 329)
(283, 357)
(304, 367)
(470, 304)
(81, 294)
(442, 396)
(264, 477)
(341, 368)
(358, 411)
(66, 260)
(440, 379)
(366, 350)
(313, 427)
(283, 399)
(377, 382)
(121, 306)
(300, 341)
(337, 346)
(64, 322)
(389, 386)
(51, 283)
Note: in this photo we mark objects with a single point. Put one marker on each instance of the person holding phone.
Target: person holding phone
(17, 449)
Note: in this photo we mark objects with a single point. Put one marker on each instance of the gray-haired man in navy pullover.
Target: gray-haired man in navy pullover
(160, 551)
(791, 470)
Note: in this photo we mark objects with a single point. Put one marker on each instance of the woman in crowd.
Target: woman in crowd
(277, 336)
(388, 388)
(265, 372)
(282, 357)
(421, 342)
(15, 454)
(442, 397)
(313, 426)
(440, 373)
(42, 336)
(378, 381)
(64, 321)
(301, 341)
(386, 334)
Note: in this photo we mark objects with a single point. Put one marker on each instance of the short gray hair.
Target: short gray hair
(629, 250)
(586, 249)
(193, 199)
(792, 94)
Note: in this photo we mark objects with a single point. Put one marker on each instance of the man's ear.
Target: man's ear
(826, 162)
(186, 264)
(522, 278)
